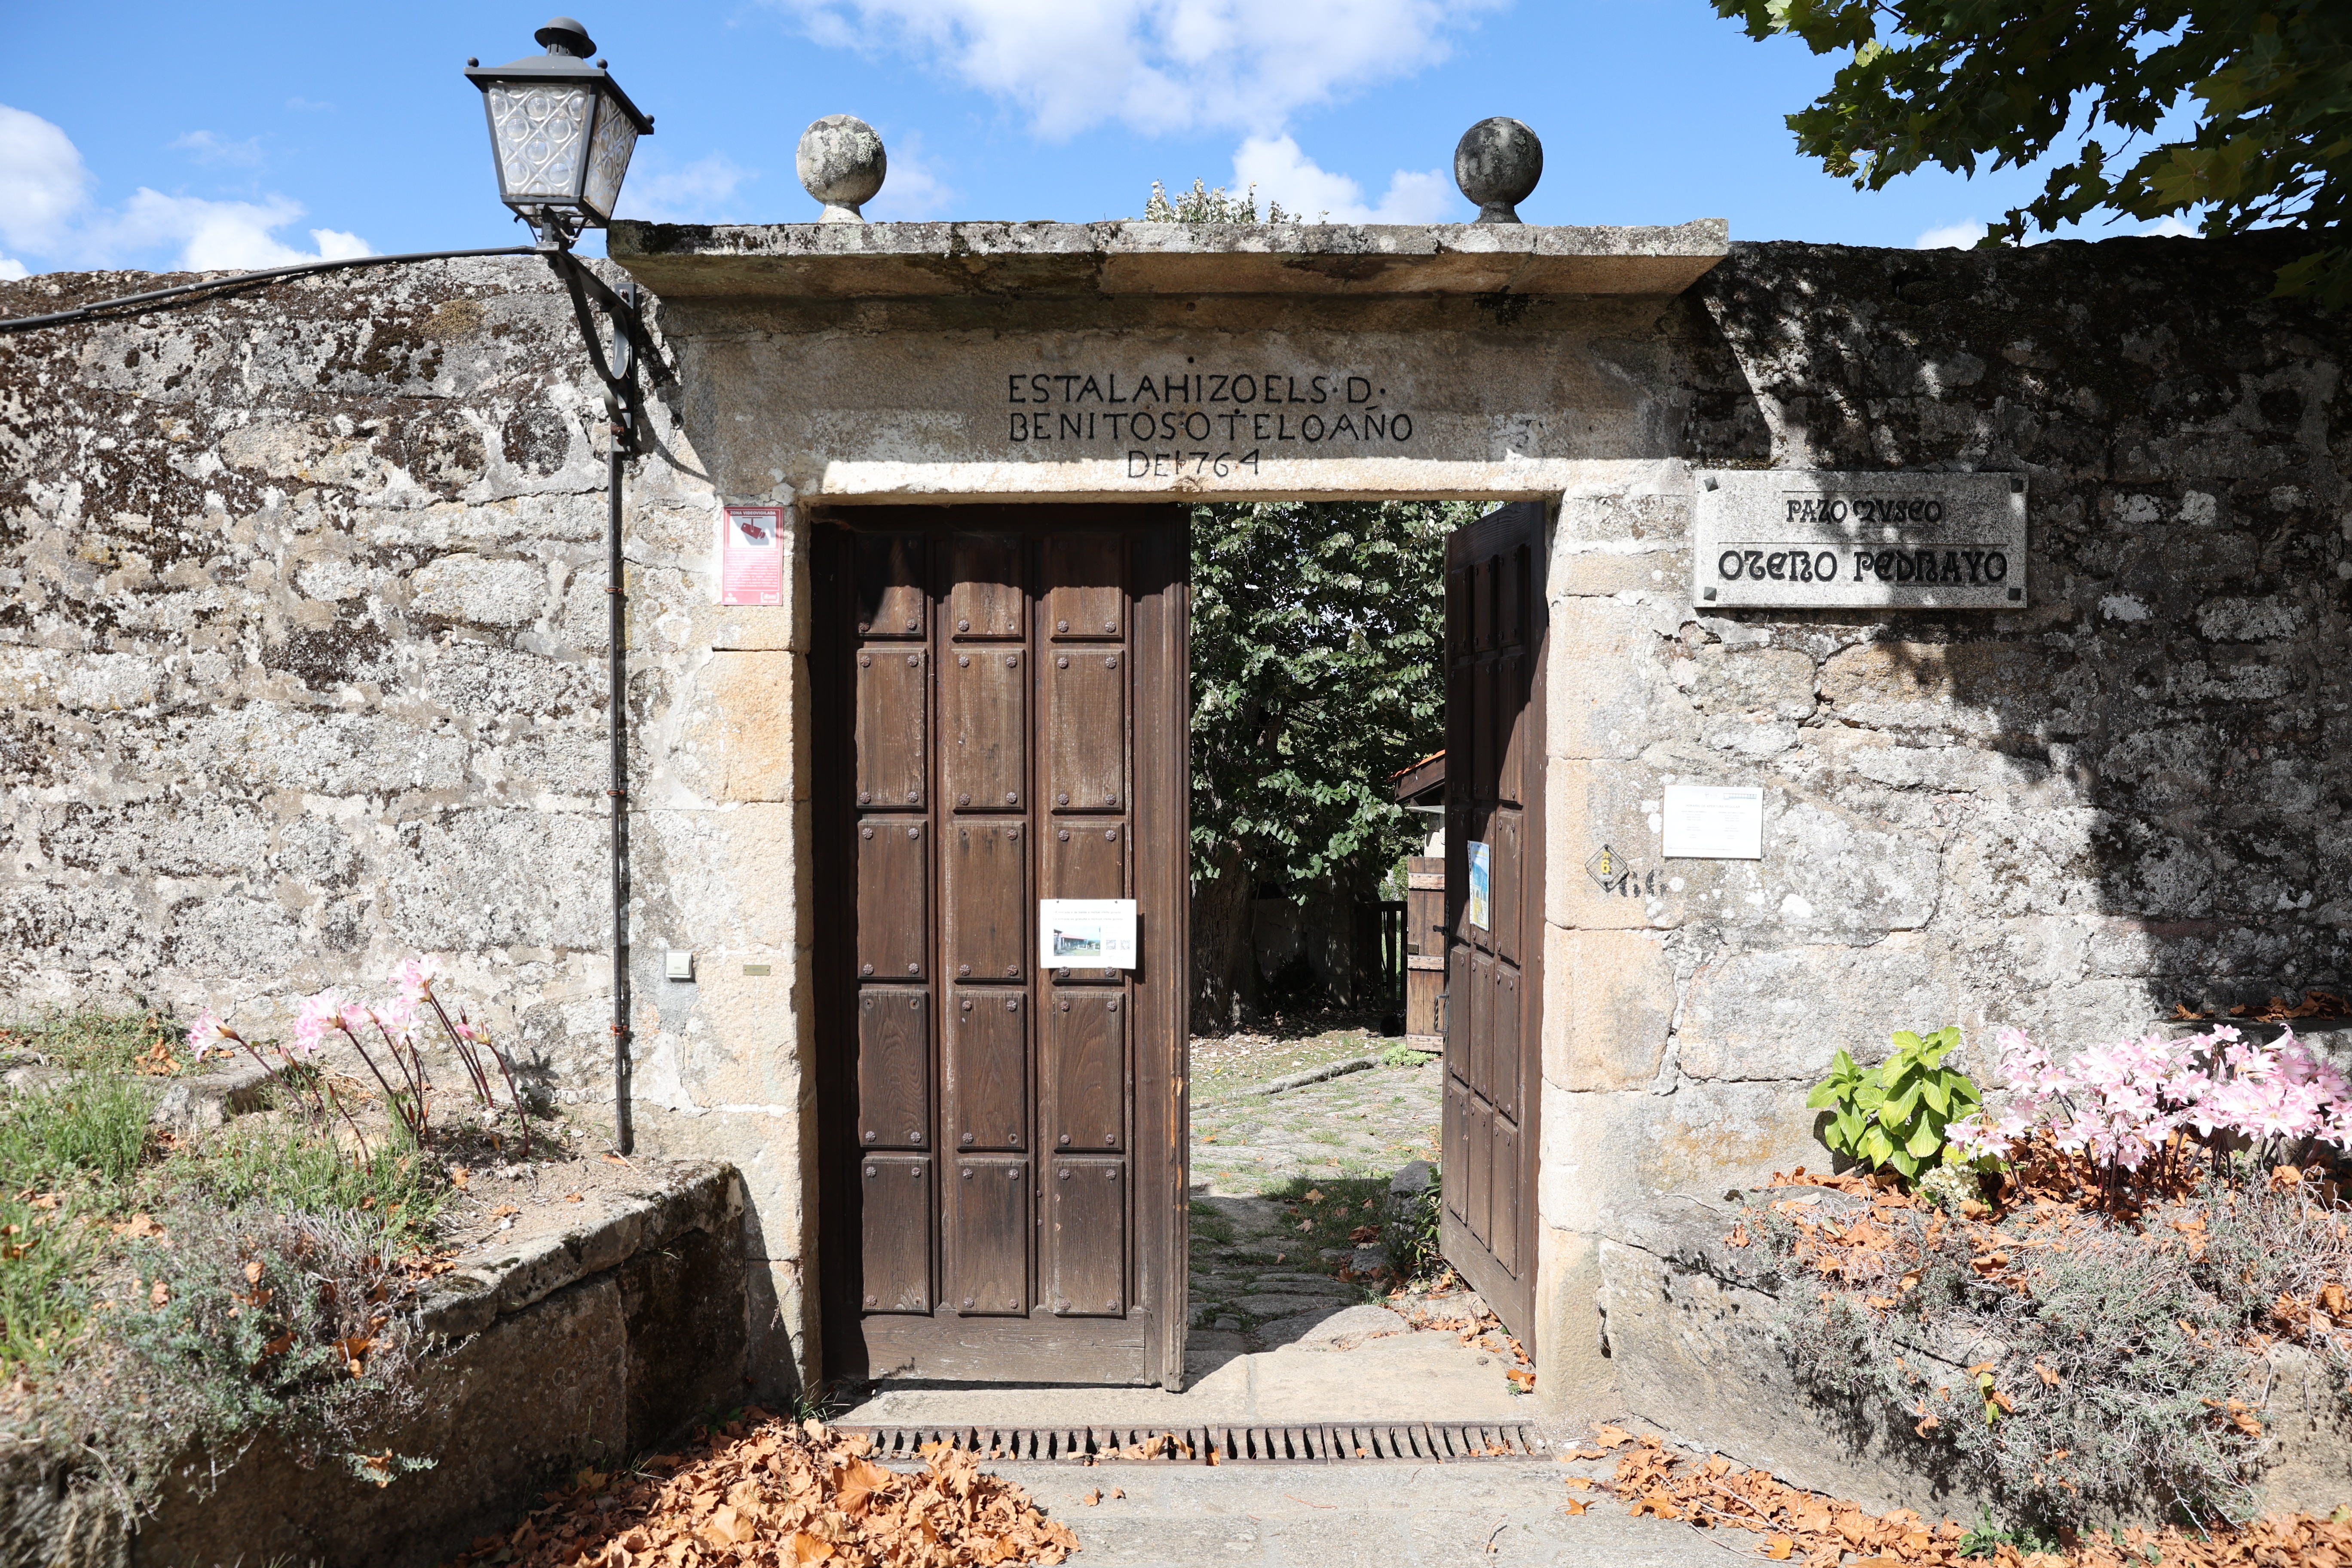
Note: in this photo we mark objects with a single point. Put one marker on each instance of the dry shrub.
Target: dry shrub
(2082, 1365)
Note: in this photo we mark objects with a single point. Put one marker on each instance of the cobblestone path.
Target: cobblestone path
(1280, 1181)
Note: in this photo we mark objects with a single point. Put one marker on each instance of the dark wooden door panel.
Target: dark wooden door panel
(1481, 782)
(1452, 1172)
(1086, 581)
(1086, 1236)
(1503, 899)
(895, 1206)
(1511, 587)
(1512, 726)
(1504, 1192)
(1478, 1158)
(894, 1069)
(1085, 1071)
(894, 898)
(1478, 1002)
(1085, 741)
(988, 1235)
(985, 593)
(1503, 1023)
(890, 597)
(1086, 859)
(1012, 680)
(1494, 699)
(987, 885)
(892, 711)
(984, 728)
(988, 1072)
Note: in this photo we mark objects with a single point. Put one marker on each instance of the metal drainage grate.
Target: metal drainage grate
(1320, 1444)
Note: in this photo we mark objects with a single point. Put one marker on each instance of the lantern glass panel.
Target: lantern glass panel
(608, 158)
(543, 137)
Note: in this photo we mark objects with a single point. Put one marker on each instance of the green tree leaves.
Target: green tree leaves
(1319, 634)
(1951, 82)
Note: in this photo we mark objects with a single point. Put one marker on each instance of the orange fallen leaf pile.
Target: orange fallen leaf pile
(1820, 1532)
(763, 1491)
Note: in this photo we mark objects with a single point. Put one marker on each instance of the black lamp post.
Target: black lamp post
(562, 131)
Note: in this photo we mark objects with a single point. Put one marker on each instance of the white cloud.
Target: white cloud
(1951, 236)
(1154, 64)
(12, 270)
(1283, 173)
(2171, 226)
(42, 181)
(306, 105)
(699, 192)
(215, 236)
(45, 210)
(206, 148)
(913, 190)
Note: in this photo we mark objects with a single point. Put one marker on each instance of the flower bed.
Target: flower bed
(2077, 1304)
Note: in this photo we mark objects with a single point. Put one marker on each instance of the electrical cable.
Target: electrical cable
(181, 293)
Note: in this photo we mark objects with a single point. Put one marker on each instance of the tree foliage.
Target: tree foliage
(1319, 631)
(1953, 82)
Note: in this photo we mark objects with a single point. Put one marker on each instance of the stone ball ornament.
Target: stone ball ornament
(1496, 163)
(842, 164)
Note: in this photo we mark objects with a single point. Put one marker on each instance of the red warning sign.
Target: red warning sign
(752, 557)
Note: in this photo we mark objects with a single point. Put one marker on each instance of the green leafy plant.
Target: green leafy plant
(2232, 114)
(1894, 1115)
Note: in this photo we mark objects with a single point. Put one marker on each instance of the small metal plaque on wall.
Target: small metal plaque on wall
(1797, 539)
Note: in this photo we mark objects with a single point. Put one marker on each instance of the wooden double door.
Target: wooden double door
(1001, 706)
(1494, 906)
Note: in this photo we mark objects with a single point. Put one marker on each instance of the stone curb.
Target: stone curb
(702, 1195)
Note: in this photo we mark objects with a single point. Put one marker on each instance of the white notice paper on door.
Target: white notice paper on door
(1086, 933)
(1705, 822)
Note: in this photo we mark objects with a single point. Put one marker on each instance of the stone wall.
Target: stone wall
(300, 665)
(302, 671)
(2071, 818)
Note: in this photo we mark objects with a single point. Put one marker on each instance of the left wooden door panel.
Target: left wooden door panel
(1002, 700)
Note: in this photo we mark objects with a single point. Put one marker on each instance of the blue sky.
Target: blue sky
(156, 137)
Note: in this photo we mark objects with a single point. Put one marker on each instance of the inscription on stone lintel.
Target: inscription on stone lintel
(1794, 538)
(1172, 422)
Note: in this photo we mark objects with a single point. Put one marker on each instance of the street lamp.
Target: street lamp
(562, 131)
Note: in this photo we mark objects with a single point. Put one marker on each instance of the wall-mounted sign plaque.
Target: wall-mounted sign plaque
(1707, 822)
(752, 555)
(1791, 538)
(1086, 933)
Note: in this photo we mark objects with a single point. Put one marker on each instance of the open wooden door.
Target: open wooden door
(1494, 906)
(1001, 702)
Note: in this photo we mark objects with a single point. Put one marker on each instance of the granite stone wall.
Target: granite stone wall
(2076, 818)
(301, 669)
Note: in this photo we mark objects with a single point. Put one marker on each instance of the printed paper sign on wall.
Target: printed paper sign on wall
(1482, 881)
(1086, 933)
(751, 556)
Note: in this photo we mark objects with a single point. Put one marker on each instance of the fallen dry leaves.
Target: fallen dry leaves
(1800, 1526)
(765, 1491)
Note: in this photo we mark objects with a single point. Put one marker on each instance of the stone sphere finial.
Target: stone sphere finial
(842, 164)
(1496, 163)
